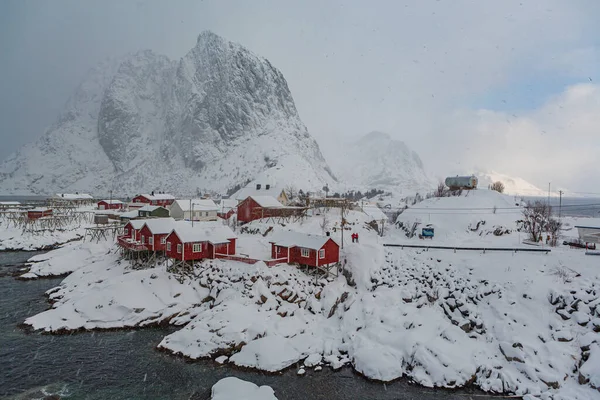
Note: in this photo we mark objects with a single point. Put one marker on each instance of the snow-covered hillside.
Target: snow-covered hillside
(512, 185)
(378, 161)
(214, 119)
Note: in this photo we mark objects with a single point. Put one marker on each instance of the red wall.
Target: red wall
(283, 252)
(157, 246)
(38, 214)
(249, 210)
(207, 249)
(142, 199)
(109, 206)
(130, 230)
(332, 255)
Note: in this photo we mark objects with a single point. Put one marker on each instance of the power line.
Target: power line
(495, 208)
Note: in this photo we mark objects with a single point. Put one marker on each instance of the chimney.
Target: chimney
(258, 186)
(152, 194)
(327, 233)
(267, 187)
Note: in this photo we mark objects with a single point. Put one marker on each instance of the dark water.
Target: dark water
(125, 364)
(572, 206)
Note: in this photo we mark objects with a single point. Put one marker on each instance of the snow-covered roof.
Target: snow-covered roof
(198, 205)
(111, 201)
(159, 196)
(267, 201)
(228, 204)
(149, 208)
(251, 191)
(160, 226)
(203, 232)
(74, 196)
(40, 209)
(374, 212)
(130, 214)
(9, 203)
(138, 223)
(298, 239)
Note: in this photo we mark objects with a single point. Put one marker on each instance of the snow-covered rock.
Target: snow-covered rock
(234, 388)
(216, 118)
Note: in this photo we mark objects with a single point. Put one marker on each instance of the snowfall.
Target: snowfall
(519, 323)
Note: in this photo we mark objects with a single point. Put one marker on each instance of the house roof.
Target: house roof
(130, 214)
(74, 196)
(137, 223)
(150, 208)
(111, 201)
(203, 232)
(251, 191)
(298, 239)
(40, 209)
(588, 227)
(198, 205)
(228, 204)
(159, 196)
(267, 201)
(159, 226)
(9, 203)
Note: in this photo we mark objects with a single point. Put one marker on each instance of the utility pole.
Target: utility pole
(560, 192)
(548, 193)
(342, 223)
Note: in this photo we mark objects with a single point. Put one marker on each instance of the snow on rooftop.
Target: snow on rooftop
(251, 191)
(130, 214)
(9, 203)
(203, 232)
(160, 226)
(111, 201)
(149, 208)
(198, 204)
(137, 223)
(159, 196)
(298, 239)
(40, 209)
(74, 196)
(267, 201)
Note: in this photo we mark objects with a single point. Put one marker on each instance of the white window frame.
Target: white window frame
(197, 248)
(168, 246)
(163, 240)
(321, 254)
(304, 252)
(179, 248)
(150, 240)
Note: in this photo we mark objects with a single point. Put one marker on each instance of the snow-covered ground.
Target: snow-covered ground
(14, 238)
(234, 388)
(521, 323)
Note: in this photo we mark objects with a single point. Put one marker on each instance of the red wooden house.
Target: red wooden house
(110, 205)
(154, 233)
(257, 207)
(203, 240)
(39, 213)
(155, 199)
(132, 229)
(305, 249)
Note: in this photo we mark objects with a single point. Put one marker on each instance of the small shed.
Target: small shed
(192, 243)
(39, 212)
(589, 234)
(110, 205)
(305, 249)
(153, 211)
(101, 219)
(131, 230)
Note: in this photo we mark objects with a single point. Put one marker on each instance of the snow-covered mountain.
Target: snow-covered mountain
(512, 185)
(378, 161)
(216, 118)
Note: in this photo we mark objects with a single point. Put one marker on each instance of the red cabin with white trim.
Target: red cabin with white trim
(155, 231)
(132, 229)
(305, 249)
(110, 205)
(187, 243)
(159, 199)
(39, 213)
(257, 207)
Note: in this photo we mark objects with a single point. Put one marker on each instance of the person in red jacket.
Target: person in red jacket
(356, 237)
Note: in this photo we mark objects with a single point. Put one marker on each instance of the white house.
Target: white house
(196, 209)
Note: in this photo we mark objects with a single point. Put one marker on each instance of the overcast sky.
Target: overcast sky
(509, 86)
